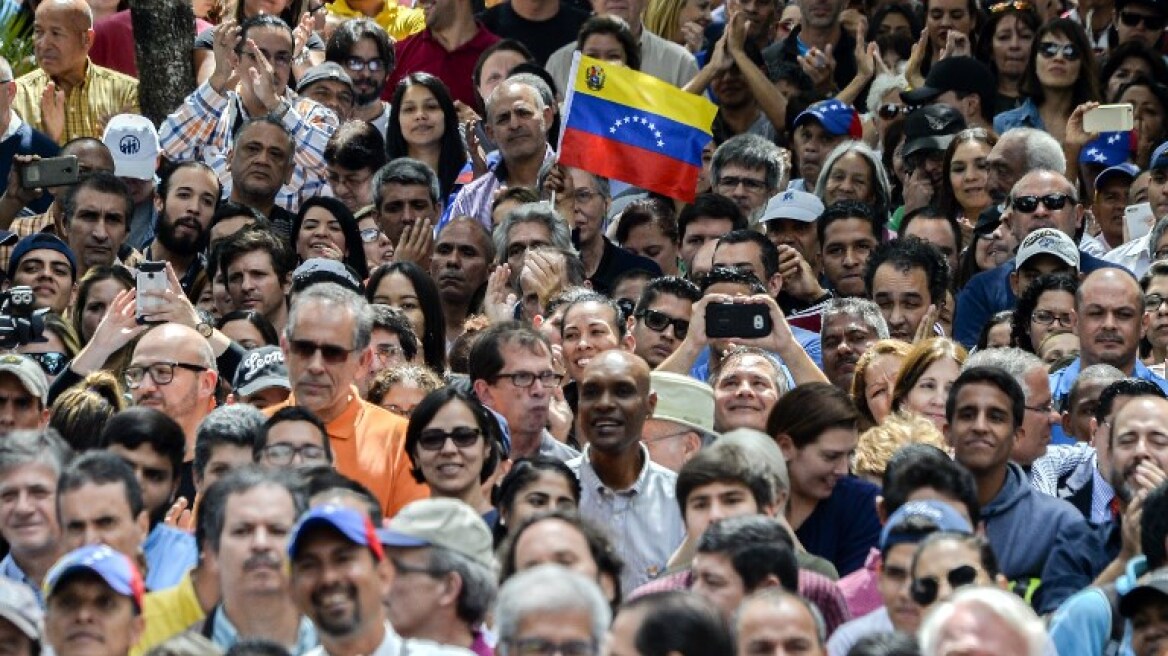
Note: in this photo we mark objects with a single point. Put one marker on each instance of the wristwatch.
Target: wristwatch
(205, 329)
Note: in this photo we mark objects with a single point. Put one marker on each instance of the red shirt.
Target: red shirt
(422, 52)
(113, 42)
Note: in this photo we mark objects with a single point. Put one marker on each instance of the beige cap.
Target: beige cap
(447, 523)
(683, 400)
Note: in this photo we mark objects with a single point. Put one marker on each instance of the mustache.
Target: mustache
(263, 560)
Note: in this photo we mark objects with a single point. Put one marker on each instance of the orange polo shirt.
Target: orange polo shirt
(368, 444)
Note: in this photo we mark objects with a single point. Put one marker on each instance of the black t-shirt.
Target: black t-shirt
(542, 38)
(616, 261)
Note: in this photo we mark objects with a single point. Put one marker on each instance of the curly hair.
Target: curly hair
(878, 444)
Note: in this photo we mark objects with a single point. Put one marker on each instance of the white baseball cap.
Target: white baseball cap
(1048, 241)
(133, 141)
(793, 204)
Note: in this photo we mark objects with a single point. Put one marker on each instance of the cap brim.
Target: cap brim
(312, 523)
(939, 142)
(263, 384)
(802, 217)
(920, 95)
(21, 623)
(118, 586)
(391, 538)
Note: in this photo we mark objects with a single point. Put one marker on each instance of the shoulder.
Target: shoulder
(32, 79)
(112, 76)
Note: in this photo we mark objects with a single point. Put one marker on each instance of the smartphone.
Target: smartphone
(50, 172)
(151, 278)
(746, 320)
(1110, 118)
(1137, 220)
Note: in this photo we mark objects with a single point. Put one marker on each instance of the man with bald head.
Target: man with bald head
(69, 96)
(173, 370)
(1042, 198)
(769, 619)
(1110, 307)
(621, 488)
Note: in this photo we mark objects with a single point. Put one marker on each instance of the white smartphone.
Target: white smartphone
(151, 277)
(1138, 220)
(1110, 118)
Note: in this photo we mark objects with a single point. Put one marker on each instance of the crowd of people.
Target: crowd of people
(338, 359)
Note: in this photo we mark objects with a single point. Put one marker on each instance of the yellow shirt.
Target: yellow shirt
(168, 613)
(104, 94)
(400, 22)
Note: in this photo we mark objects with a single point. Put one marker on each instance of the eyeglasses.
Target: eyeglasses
(658, 322)
(541, 647)
(584, 195)
(370, 235)
(889, 111)
(1151, 22)
(1152, 302)
(527, 379)
(331, 353)
(1050, 50)
(51, 362)
(1046, 318)
(1053, 202)
(162, 373)
(1161, 254)
(387, 351)
(433, 439)
(1016, 5)
(358, 64)
(730, 183)
(283, 454)
(1045, 408)
(924, 590)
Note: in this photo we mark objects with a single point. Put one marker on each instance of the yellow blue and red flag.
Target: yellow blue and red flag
(635, 128)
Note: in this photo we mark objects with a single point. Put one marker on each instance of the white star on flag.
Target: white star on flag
(1113, 138)
(1100, 157)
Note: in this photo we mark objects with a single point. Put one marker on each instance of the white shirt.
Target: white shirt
(393, 645)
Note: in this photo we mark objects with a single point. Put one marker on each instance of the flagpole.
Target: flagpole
(565, 112)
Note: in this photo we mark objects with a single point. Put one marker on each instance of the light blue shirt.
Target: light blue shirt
(1062, 380)
(225, 635)
(1082, 625)
(10, 570)
(170, 553)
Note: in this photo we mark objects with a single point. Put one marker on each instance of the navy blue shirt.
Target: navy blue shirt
(1075, 562)
(844, 527)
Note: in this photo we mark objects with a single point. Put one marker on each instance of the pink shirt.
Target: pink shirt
(860, 587)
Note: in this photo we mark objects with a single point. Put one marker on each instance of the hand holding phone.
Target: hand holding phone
(50, 172)
(1109, 118)
(742, 320)
(151, 280)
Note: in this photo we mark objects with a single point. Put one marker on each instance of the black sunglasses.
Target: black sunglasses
(889, 111)
(433, 439)
(331, 354)
(1028, 204)
(658, 322)
(924, 590)
(1151, 22)
(1050, 50)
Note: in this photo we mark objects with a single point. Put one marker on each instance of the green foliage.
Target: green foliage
(16, 42)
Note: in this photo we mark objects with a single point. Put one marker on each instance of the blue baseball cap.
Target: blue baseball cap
(1160, 157)
(1109, 149)
(939, 513)
(36, 242)
(1125, 170)
(113, 567)
(836, 117)
(354, 525)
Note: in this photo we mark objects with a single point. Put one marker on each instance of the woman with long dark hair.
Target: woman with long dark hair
(423, 124)
(405, 286)
(324, 227)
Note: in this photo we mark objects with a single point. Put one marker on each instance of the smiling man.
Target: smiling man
(30, 463)
(46, 264)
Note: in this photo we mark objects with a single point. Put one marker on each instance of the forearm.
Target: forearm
(770, 101)
(803, 369)
(682, 360)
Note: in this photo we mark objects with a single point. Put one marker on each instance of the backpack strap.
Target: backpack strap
(1115, 639)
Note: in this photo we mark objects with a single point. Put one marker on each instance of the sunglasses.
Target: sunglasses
(370, 235)
(658, 322)
(889, 111)
(433, 439)
(330, 353)
(1050, 50)
(924, 590)
(1028, 204)
(1150, 22)
(52, 362)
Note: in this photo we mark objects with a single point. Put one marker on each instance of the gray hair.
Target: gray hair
(762, 448)
(404, 171)
(860, 308)
(774, 596)
(881, 85)
(540, 212)
(739, 352)
(753, 152)
(1012, 360)
(544, 97)
(602, 183)
(479, 583)
(1041, 150)
(240, 481)
(1005, 606)
(548, 588)
(330, 293)
(34, 447)
(881, 184)
(1096, 372)
(1157, 234)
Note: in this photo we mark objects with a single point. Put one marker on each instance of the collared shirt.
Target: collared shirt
(861, 587)
(552, 448)
(644, 520)
(103, 93)
(10, 570)
(1025, 116)
(1068, 468)
(849, 634)
(225, 635)
(168, 613)
(170, 553)
(1134, 255)
(393, 645)
(476, 197)
(399, 21)
(422, 52)
(202, 128)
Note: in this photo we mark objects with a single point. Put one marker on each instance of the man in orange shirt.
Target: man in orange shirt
(326, 345)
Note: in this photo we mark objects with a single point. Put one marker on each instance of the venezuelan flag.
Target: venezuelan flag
(632, 127)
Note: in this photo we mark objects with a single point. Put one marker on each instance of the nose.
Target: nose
(840, 468)
(717, 511)
(99, 231)
(91, 536)
(851, 259)
(744, 389)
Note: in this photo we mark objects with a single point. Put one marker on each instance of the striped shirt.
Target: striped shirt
(24, 226)
(475, 198)
(103, 94)
(202, 128)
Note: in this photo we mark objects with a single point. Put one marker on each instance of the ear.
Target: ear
(482, 390)
(691, 445)
(771, 581)
(652, 404)
(207, 382)
(365, 359)
(1093, 426)
(1066, 422)
(1014, 284)
(158, 202)
(385, 575)
(287, 285)
(453, 585)
(945, 430)
(143, 522)
(775, 285)
(628, 343)
(88, 39)
(138, 622)
(786, 446)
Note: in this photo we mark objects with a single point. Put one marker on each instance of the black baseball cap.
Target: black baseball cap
(931, 127)
(961, 74)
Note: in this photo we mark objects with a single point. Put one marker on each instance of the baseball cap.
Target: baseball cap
(133, 141)
(1148, 588)
(1159, 158)
(36, 242)
(988, 221)
(438, 522)
(793, 204)
(262, 367)
(326, 71)
(931, 127)
(28, 372)
(1109, 149)
(1157, 5)
(112, 566)
(19, 606)
(354, 525)
(1126, 170)
(938, 512)
(1047, 241)
(964, 74)
(837, 118)
(322, 269)
(683, 400)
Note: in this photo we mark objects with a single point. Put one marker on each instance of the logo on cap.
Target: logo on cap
(935, 122)
(129, 145)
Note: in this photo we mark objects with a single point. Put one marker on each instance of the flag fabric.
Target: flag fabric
(1110, 149)
(632, 127)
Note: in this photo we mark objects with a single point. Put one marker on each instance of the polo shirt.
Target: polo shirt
(422, 52)
(399, 21)
(368, 444)
(168, 613)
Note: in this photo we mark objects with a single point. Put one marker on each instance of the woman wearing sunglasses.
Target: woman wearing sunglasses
(1061, 74)
(947, 561)
(324, 227)
(58, 349)
(453, 443)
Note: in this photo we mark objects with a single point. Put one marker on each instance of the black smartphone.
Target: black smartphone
(746, 320)
(50, 172)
